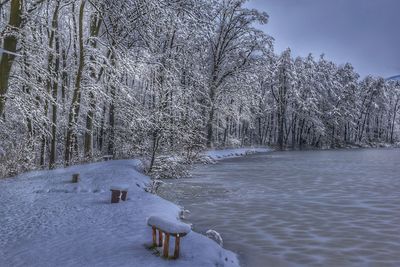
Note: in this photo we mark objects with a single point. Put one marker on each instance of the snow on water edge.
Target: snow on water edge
(234, 152)
(48, 221)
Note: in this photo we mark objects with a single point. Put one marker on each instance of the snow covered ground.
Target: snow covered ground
(47, 221)
(234, 152)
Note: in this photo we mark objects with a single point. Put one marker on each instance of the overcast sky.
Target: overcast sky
(363, 32)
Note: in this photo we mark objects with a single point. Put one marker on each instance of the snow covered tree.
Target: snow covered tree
(155, 78)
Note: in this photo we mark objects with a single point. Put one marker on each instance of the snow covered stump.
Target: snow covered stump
(118, 193)
(168, 228)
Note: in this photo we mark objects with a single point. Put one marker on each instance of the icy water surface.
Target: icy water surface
(306, 208)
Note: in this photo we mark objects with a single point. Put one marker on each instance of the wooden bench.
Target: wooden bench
(118, 193)
(167, 228)
(108, 157)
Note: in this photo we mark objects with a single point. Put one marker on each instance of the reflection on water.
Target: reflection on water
(306, 208)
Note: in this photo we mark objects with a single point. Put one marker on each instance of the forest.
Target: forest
(80, 79)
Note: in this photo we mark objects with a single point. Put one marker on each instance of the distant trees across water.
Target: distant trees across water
(85, 78)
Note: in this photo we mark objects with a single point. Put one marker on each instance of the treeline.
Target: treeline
(84, 78)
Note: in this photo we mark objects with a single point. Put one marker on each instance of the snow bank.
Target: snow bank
(235, 152)
(214, 235)
(48, 221)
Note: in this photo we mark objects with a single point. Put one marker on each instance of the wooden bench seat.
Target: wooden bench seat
(167, 228)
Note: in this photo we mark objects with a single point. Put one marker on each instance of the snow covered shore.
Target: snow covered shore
(47, 221)
(234, 152)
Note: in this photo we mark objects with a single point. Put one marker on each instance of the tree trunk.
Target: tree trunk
(53, 144)
(210, 128)
(112, 123)
(156, 140)
(394, 120)
(76, 99)
(88, 142)
(10, 45)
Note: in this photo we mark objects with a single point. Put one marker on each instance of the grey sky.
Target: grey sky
(362, 32)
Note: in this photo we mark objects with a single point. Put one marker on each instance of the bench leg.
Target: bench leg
(166, 245)
(154, 236)
(115, 196)
(160, 238)
(176, 252)
(123, 195)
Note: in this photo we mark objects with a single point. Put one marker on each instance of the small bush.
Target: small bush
(170, 167)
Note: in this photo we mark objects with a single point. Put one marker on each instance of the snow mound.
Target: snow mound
(184, 214)
(169, 226)
(214, 235)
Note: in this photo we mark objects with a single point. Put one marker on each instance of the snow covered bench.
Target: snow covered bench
(108, 157)
(169, 228)
(118, 193)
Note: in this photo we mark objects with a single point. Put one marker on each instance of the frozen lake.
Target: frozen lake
(302, 208)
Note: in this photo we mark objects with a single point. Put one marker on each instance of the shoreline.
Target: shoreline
(235, 152)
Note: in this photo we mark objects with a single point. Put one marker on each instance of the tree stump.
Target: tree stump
(75, 178)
